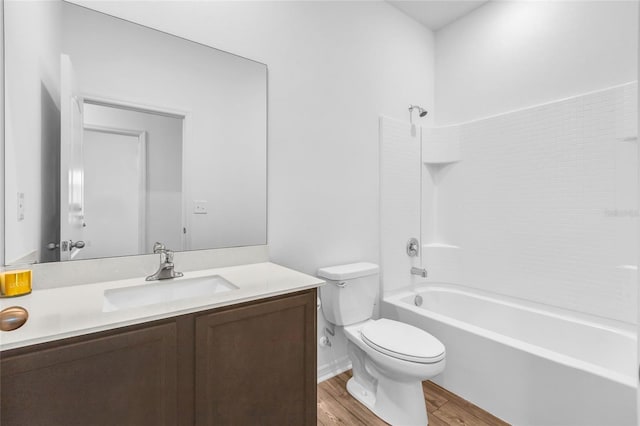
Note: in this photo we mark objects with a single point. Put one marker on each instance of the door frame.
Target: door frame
(71, 169)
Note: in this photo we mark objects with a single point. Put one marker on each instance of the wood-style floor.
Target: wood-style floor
(337, 407)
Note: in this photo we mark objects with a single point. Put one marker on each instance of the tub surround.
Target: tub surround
(568, 167)
(62, 312)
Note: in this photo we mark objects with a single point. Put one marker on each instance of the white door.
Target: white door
(71, 168)
(115, 193)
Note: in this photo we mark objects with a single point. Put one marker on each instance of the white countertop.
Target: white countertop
(76, 310)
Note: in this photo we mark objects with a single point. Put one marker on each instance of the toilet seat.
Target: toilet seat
(402, 341)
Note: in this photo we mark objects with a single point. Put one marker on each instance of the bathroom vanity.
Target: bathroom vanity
(245, 356)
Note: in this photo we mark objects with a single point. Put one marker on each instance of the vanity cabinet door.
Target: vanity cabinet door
(256, 364)
(114, 378)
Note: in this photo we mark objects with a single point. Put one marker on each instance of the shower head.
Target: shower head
(421, 111)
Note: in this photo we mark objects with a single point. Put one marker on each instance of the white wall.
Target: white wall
(2, 178)
(510, 55)
(32, 119)
(2, 119)
(333, 68)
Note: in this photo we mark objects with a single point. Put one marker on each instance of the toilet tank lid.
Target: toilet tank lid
(349, 271)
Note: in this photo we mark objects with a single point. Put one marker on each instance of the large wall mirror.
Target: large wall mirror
(118, 135)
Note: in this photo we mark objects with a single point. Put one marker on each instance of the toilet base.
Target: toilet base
(409, 413)
(359, 392)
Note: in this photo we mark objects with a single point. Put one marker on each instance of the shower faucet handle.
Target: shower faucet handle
(413, 247)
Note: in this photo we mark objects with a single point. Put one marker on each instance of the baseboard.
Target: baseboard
(329, 370)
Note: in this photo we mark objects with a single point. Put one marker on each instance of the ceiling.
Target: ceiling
(435, 14)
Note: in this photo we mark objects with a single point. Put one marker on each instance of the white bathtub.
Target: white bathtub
(528, 364)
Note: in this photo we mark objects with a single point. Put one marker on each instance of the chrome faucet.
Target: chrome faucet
(166, 270)
(419, 271)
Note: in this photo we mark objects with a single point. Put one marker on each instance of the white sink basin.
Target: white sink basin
(164, 291)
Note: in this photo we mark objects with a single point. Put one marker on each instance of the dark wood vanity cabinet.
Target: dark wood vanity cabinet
(125, 378)
(247, 364)
(256, 365)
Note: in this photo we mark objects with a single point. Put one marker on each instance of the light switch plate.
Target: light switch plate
(200, 207)
(20, 206)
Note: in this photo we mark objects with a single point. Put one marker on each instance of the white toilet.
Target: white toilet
(390, 359)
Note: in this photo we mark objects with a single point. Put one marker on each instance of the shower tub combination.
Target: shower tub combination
(527, 363)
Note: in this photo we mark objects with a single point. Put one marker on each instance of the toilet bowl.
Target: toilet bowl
(389, 359)
(387, 379)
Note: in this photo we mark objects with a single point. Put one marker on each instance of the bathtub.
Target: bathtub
(527, 363)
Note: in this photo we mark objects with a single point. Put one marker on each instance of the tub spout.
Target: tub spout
(419, 271)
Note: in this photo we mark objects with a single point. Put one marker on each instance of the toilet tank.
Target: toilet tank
(350, 293)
